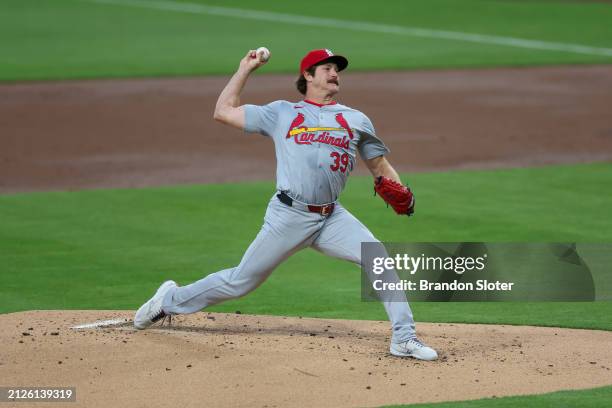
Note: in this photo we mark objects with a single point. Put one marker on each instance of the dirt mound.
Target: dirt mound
(221, 360)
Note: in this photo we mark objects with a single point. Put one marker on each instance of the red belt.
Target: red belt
(324, 210)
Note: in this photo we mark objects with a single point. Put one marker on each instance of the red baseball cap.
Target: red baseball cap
(316, 56)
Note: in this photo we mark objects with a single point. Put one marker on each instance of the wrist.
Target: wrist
(244, 71)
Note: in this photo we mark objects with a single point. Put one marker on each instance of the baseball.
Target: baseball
(264, 53)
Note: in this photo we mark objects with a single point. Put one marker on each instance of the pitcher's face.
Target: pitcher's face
(326, 78)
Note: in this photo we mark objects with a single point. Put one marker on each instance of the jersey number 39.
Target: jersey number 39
(341, 162)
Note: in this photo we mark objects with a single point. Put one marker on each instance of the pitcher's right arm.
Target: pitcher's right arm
(228, 109)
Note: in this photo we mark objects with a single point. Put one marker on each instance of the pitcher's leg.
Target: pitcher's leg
(341, 237)
(282, 234)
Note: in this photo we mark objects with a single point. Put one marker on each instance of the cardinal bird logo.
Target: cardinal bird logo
(344, 124)
(299, 119)
(304, 135)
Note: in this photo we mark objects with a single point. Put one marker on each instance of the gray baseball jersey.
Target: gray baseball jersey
(315, 145)
(315, 148)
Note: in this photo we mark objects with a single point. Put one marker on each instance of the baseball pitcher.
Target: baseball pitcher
(316, 142)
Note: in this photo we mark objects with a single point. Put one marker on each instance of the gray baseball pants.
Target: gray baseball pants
(285, 231)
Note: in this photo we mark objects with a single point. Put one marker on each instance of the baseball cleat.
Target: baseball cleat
(152, 311)
(413, 348)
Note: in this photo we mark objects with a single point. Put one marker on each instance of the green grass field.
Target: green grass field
(109, 249)
(64, 39)
(593, 398)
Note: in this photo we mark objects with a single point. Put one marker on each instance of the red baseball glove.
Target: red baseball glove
(395, 194)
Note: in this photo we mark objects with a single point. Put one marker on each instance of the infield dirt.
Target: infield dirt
(220, 360)
(150, 132)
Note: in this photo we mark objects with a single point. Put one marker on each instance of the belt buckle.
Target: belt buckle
(326, 209)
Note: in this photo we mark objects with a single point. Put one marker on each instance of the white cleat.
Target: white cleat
(413, 348)
(152, 311)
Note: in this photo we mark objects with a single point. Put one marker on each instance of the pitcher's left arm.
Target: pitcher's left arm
(380, 166)
(388, 185)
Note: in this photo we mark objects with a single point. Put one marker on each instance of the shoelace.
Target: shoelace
(415, 341)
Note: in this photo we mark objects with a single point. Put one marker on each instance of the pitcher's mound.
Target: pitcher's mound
(221, 360)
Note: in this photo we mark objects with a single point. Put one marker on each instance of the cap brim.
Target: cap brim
(339, 60)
